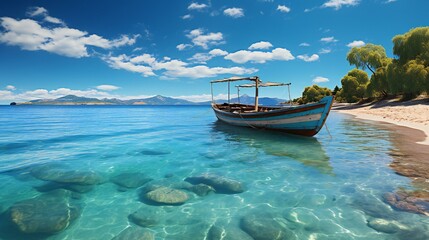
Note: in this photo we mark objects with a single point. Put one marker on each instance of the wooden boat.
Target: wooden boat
(306, 120)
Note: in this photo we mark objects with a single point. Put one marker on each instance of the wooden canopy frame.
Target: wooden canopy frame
(257, 83)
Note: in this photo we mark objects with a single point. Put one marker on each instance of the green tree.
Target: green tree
(336, 89)
(409, 74)
(378, 84)
(395, 77)
(372, 57)
(354, 85)
(314, 93)
(413, 45)
(369, 56)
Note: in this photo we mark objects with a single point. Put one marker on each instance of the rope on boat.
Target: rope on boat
(239, 113)
(327, 129)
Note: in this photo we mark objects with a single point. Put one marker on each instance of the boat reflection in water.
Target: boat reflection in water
(306, 150)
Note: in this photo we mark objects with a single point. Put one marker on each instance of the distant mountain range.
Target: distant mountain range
(156, 100)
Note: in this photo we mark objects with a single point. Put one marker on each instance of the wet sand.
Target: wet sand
(410, 124)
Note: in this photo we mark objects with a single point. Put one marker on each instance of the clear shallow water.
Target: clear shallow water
(317, 188)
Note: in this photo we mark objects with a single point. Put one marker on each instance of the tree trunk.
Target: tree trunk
(367, 65)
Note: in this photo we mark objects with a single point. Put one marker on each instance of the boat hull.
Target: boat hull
(306, 120)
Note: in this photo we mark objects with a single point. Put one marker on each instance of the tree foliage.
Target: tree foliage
(378, 84)
(409, 75)
(354, 86)
(314, 94)
(406, 75)
(369, 56)
(336, 89)
(413, 45)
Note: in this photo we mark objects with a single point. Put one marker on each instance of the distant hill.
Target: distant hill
(156, 100)
(76, 100)
(66, 100)
(266, 101)
(161, 100)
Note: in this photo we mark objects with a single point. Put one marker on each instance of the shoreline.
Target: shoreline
(410, 151)
(410, 139)
(385, 119)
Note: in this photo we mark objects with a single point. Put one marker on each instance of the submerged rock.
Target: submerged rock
(386, 226)
(147, 217)
(372, 206)
(201, 189)
(227, 233)
(130, 179)
(49, 186)
(265, 227)
(301, 217)
(48, 213)
(151, 152)
(166, 195)
(405, 201)
(134, 233)
(220, 184)
(191, 231)
(60, 174)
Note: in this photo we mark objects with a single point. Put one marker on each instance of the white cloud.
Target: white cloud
(30, 35)
(261, 45)
(6, 96)
(53, 20)
(304, 44)
(356, 44)
(107, 87)
(234, 12)
(244, 56)
(204, 57)
(320, 80)
(36, 11)
(309, 9)
(324, 51)
(198, 38)
(337, 4)
(200, 58)
(197, 6)
(10, 87)
(40, 11)
(307, 58)
(144, 58)
(51, 94)
(283, 8)
(124, 62)
(204, 71)
(171, 68)
(187, 16)
(328, 40)
(218, 52)
(182, 46)
(389, 1)
(205, 97)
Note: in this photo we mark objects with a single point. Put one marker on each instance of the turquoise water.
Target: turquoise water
(327, 187)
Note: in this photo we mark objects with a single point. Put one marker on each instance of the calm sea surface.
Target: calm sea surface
(111, 158)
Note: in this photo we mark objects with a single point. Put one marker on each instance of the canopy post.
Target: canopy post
(288, 89)
(238, 94)
(229, 97)
(211, 89)
(256, 94)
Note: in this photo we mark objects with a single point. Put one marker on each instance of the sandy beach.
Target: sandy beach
(410, 124)
(412, 114)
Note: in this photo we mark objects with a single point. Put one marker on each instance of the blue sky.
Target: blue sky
(134, 49)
